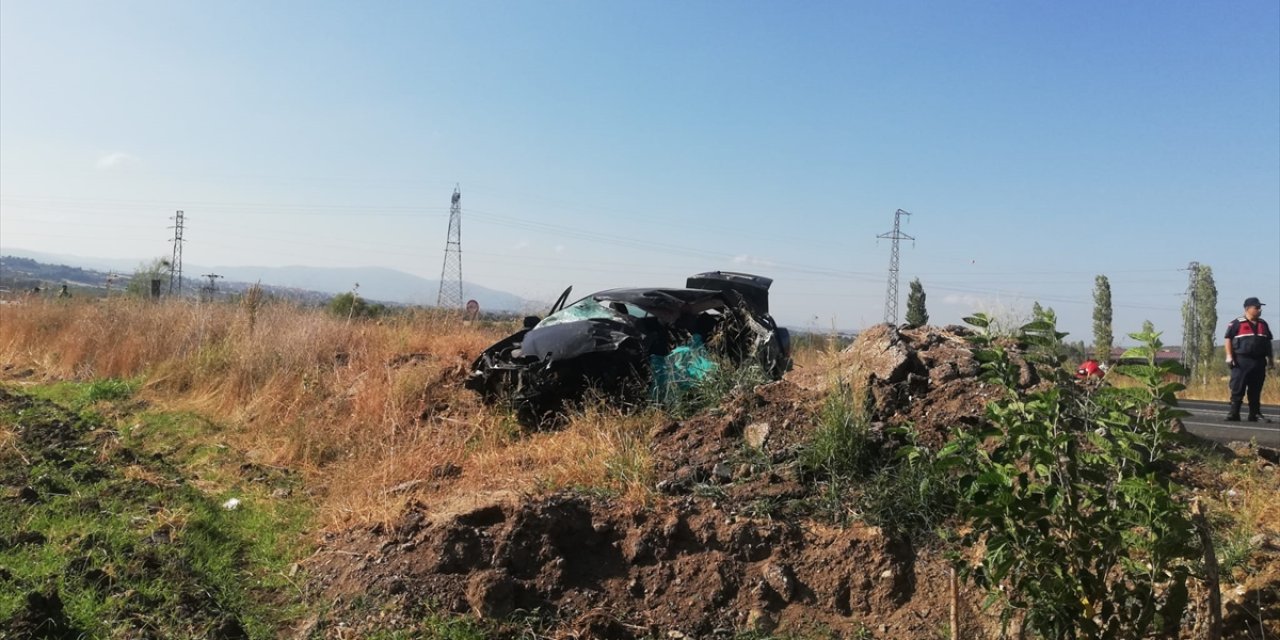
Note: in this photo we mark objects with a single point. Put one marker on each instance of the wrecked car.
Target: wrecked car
(630, 343)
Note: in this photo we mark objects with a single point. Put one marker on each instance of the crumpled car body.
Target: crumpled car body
(617, 342)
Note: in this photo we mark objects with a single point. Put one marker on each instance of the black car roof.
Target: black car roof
(666, 299)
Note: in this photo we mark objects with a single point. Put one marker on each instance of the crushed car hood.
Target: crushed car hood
(573, 339)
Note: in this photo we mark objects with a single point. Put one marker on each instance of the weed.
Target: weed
(842, 446)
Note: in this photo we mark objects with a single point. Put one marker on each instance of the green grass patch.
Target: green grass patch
(438, 628)
(123, 533)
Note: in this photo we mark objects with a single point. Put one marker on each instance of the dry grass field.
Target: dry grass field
(358, 407)
(1217, 390)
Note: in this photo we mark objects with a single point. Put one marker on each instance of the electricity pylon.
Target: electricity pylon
(891, 296)
(450, 295)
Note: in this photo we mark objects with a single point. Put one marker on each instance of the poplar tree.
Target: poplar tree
(1199, 321)
(917, 315)
(1206, 293)
(1102, 335)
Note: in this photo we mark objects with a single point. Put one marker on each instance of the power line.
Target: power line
(891, 293)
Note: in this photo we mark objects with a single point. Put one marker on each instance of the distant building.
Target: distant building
(1164, 355)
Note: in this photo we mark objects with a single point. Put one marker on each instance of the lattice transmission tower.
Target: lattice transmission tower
(175, 264)
(450, 296)
(210, 291)
(891, 295)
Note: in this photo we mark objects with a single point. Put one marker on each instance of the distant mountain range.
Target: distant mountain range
(376, 283)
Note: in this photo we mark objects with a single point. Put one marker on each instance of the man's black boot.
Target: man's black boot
(1258, 417)
(1234, 415)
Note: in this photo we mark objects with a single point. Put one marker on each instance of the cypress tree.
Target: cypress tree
(917, 315)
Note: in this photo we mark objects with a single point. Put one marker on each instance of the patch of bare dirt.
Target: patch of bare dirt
(597, 569)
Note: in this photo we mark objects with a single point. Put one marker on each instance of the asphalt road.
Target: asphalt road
(1206, 421)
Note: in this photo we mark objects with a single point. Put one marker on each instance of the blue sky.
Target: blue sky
(599, 144)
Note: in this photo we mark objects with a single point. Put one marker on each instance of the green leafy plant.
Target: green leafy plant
(1066, 494)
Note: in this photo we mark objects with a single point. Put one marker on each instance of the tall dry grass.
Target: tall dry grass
(1217, 390)
(358, 407)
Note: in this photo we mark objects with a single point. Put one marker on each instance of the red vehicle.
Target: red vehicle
(1090, 369)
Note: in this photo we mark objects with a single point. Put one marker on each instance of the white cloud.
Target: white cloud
(753, 261)
(115, 160)
(964, 299)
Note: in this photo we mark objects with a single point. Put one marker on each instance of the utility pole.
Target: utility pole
(175, 265)
(891, 295)
(450, 295)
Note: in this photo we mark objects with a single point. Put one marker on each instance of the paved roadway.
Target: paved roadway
(1206, 421)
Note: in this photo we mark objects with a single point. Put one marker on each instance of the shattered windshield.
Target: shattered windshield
(590, 309)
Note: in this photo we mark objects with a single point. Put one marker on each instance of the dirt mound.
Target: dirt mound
(925, 376)
(597, 569)
(715, 554)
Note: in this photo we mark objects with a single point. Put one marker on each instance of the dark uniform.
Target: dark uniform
(1250, 355)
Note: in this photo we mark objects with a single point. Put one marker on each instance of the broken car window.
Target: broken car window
(584, 309)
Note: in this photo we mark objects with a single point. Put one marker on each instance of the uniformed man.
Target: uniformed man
(1249, 354)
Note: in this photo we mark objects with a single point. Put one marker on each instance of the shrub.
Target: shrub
(1066, 494)
(349, 305)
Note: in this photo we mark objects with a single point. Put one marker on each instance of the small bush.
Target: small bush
(349, 305)
(1113, 545)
